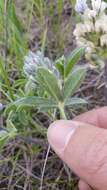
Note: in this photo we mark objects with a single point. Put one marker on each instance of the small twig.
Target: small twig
(68, 172)
(27, 171)
(12, 173)
(27, 161)
(43, 171)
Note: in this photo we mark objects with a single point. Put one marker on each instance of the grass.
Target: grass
(45, 25)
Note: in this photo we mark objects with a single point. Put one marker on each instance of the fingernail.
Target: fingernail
(60, 132)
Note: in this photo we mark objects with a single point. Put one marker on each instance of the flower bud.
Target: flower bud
(34, 60)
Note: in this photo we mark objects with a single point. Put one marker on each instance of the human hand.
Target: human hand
(82, 144)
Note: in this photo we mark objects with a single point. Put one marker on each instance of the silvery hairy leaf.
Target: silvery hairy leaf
(72, 59)
(73, 82)
(70, 102)
(49, 83)
(32, 102)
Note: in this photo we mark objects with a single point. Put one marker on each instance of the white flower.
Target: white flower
(101, 24)
(103, 40)
(81, 6)
(89, 26)
(89, 46)
(81, 41)
(80, 30)
(93, 27)
(89, 14)
(103, 6)
(98, 5)
(98, 25)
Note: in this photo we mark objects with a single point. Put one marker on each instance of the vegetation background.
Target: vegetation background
(48, 26)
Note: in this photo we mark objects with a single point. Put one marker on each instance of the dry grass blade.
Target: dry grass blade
(43, 171)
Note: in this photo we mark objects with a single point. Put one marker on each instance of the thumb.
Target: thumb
(83, 148)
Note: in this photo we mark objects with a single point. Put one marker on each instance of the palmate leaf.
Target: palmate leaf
(73, 59)
(70, 102)
(32, 101)
(49, 83)
(73, 82)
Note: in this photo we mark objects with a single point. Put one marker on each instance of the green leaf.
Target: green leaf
(3, 141)
(73, 82)
(19, 83)
(70, 102)
(12, 15)
(31, 101)
(59, 64)
(49, 83)
(23, 117)
(11, 128)
(7, 133)
(73, 59)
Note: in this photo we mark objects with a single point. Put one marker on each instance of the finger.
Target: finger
(83, 185)
(84, 148)
(97, 117)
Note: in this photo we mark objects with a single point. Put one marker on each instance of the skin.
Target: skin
(82, 144)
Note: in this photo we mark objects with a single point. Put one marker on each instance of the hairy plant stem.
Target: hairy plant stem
(62, 111)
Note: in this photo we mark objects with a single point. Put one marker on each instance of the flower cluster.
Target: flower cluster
(34, 60)
(91, 31)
